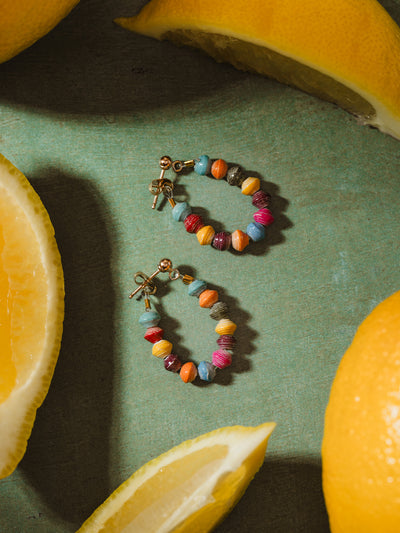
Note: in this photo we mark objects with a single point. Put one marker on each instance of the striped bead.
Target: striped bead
(263, 216)
(226, 342)
(261, 199)
(193, 223)
(188, 372)
(162, 348)
(172, 363)
(250, 186)
(219, 310)
(205, 235)
(208, 298)
(180, 211)
(222, 240)
(196, 287)
(240, 240)
(219, 169)
(221, 358)
(235, 176)
(206, 371)
(149, 319)
(225, 327)
(202, 165)
(154, 334)
(255, 231)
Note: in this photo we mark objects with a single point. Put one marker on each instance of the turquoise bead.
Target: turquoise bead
(202, 165)
(206, 371)
(197, 287)
(255, 231)
(149, 319)
(181, 210)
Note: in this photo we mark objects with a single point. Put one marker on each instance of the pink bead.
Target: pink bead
(264, 217)
(221, 358)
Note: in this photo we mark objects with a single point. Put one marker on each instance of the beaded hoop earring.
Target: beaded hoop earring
(221, 358)
(234, 175)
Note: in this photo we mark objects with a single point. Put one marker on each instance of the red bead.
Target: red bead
(193, 223)
(172, 363)
(261, 199)
(219, 169)
(154, 334)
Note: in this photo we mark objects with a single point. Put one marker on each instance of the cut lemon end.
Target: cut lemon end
(31, 310)
(190, 488)
(322, 50)
(361, 443)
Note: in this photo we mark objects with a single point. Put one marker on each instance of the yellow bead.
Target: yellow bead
(162, 348)
(205, 235)
(225, 327)
(250, 186)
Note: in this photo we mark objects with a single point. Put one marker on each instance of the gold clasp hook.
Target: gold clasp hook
(164, 185)
(145, 282)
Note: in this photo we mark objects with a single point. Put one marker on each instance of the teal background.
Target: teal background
(86, 113)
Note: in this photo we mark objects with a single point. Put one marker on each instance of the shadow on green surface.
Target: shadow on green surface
(284, 497)
(88, 65)
(67, 458)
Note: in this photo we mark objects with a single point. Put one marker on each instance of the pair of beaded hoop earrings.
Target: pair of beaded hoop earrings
(206, 235)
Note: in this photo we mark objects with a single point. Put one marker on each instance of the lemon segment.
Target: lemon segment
(31, 311)
(343, 51)
(361, 444)
(190, 488)
(23, 22)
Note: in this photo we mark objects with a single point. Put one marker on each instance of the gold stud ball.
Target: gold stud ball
(165, 265)
(165, 162)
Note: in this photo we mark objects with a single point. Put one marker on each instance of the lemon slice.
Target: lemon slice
(344, 51)
(361, 444)
(189, 489)
(31, 311)
(23, 22)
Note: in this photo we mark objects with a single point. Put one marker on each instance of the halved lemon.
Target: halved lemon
(344, 51)
(188, 489)
(31, 311)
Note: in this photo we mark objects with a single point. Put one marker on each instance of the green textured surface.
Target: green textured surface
(85, 114)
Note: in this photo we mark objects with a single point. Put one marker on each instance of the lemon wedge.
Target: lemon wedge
(344, 51)
(361, 444)
(188, 489)
(23, 22)
(31, 311)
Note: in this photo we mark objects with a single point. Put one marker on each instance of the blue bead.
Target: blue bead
(149, 319)
(202, 165)
(206, 371)
(181, 210)
(255, 231)
(197, 287)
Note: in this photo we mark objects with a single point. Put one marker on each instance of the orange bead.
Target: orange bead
(208, 298)
(219, 169)
(188, 372)
(240, 240)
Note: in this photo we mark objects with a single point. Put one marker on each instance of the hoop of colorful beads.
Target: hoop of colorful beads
(234, 175)
(162, 348)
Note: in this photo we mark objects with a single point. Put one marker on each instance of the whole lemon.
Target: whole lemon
(361, 444)
(23, 22)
